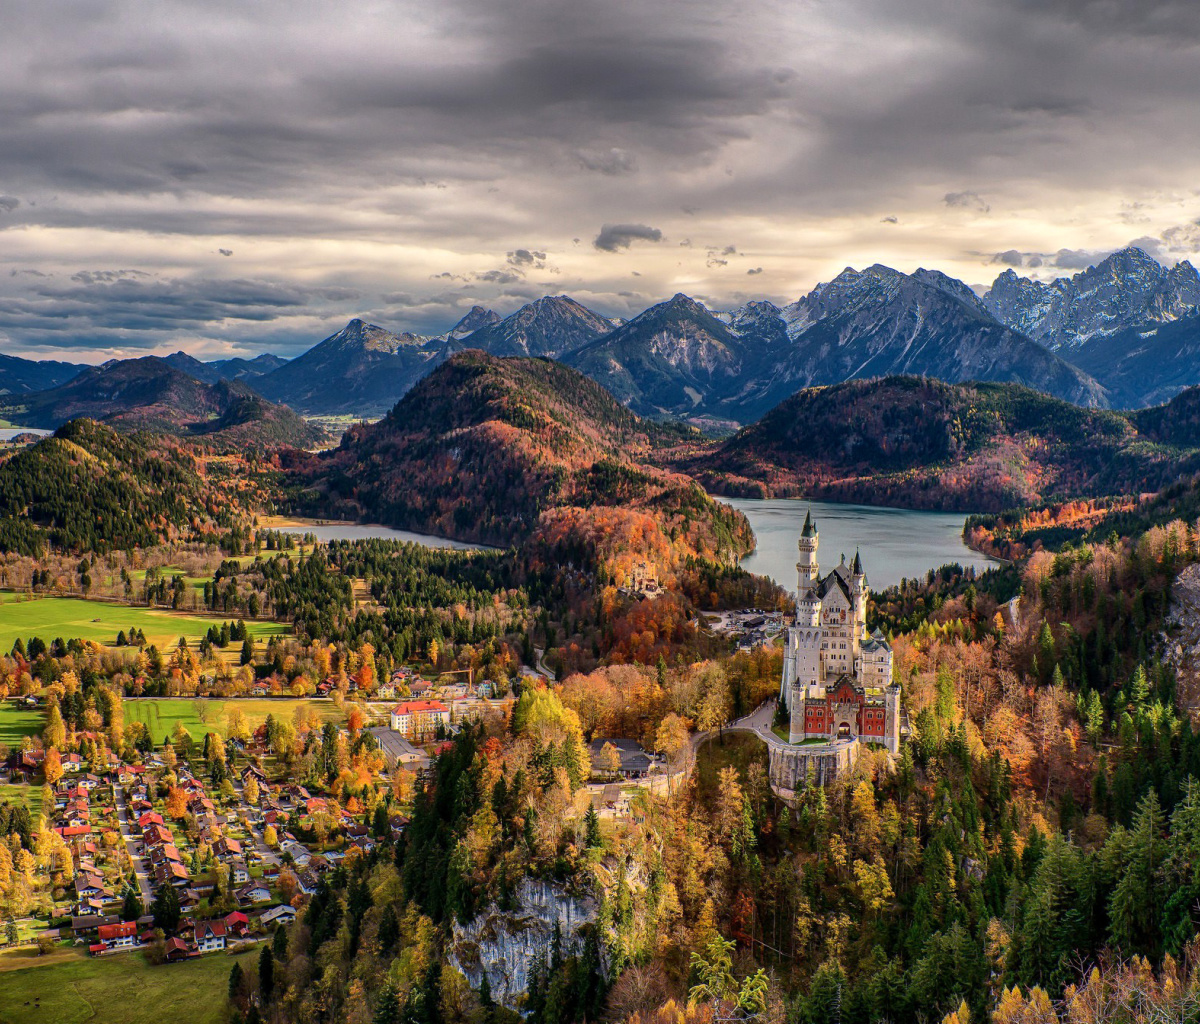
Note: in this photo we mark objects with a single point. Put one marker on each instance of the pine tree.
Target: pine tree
(266, 973)
(235, 981)
(592, 829)
(131, 907)
(279, 943)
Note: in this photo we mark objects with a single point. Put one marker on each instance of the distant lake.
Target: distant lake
(8, 433)
(895, 543)
(367, 531)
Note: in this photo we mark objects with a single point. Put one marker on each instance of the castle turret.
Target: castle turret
(858, 592)
(808, 607)
(807, 568)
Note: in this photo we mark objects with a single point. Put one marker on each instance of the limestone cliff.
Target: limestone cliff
(504, 942)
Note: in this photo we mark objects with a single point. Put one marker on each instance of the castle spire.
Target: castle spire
(857, 567)
(810, 528)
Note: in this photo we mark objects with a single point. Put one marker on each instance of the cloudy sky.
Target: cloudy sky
(229, 177)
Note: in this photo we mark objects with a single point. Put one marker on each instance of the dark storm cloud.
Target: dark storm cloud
(134, 308)
(9, 203)
(611, 162)
(613, 237)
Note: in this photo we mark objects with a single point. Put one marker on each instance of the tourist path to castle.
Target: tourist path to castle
(758, 722)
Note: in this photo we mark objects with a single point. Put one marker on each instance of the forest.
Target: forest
(1031, 855)
(922, 443)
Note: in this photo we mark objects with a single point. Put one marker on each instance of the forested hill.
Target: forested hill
(150, 393)
(89, 488)
(498, 449)
(921, 443)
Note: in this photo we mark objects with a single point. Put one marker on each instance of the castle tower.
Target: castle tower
(807, 568)
(858, 594)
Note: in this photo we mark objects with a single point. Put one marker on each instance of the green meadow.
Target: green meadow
(17, 722)
(116, 989)
(203, 715)
(100, 621)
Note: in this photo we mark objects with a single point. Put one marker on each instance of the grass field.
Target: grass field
(118, 989)
(99, 621)
(16, 722)
(161, 714)
(30, 796)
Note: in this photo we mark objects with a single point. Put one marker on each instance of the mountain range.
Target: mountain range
(1069, 338)
(1124, 333)
(153, 393)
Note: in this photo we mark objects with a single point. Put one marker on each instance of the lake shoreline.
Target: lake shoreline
(894, 543)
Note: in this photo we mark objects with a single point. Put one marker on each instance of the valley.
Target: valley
(332, 726)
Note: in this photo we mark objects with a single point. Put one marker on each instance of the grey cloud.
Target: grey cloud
(9, 203)
(527, 258)
(1010, 258)
(613, 237)
(967, 201)
(106, 276)
(499, 277)
(611, 162)
(889, 220)
(225, 252)
(1063, 259)
(755, 270)
(1075, 259)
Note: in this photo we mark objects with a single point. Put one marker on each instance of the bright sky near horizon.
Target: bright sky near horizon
(230, 178)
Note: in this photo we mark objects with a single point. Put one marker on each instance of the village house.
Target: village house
(210, 936)
(283, 914)
(115, 936)
(252, 894)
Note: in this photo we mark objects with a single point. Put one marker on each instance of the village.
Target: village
(204, 844)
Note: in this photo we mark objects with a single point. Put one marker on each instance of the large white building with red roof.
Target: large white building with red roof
(420, 719)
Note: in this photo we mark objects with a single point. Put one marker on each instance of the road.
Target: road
(132, 839)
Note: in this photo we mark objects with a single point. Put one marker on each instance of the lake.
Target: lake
(8, 433)
(895, 543)
(327, 531)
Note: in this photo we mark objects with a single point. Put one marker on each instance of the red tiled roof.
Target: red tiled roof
(413, 706)
(107, 932)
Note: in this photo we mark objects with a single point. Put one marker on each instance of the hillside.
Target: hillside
(151, 394)
(1147, 364)
(89, 488)
(498, 450)
(234, 368)
(22, 375)
(920, 443)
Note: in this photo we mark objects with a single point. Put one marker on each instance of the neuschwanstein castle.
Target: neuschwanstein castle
(837, 679)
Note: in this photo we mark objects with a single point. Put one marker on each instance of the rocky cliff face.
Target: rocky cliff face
(504, 943)
(1128, 289)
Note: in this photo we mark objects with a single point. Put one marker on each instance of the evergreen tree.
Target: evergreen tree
(235, 981)
(266, 973)
(131, 906)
